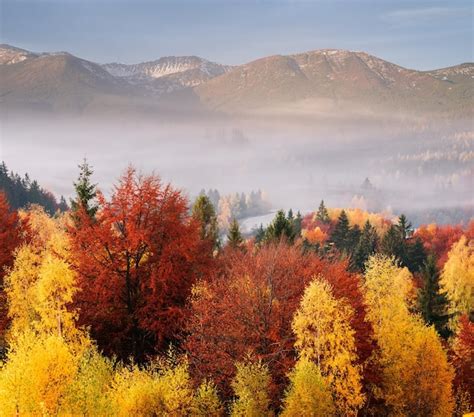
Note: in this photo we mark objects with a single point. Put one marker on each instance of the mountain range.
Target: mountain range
(328, 81)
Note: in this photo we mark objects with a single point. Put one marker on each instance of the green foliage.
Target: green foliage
(366, 247)
(234, 237)
(204, 211)
(322, 214)
(433, 304)
(86, 191)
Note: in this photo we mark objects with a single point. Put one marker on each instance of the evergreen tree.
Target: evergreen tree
(297, 225)
(416, 255)
(280, 227)
(260, 235)
(340, 235)
(404, 227)
(393, 244)
(86, 191)
(433, 303)
(234, 237)
(366, 247)
(204, 211)
(322, 215)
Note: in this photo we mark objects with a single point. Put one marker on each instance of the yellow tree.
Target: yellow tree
(324, 335)
(411, 355)
(206, 401)
(251, 387)
(307, 394)
(457, 277)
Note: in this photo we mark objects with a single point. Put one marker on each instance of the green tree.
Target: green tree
(366, 247)
(322, 214)
(433, 303)
(204, 212)
(280, 227)
(341, 233)
(234, 237)
(86, 191)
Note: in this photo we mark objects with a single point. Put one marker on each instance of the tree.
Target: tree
(11, 236)
(366, 247)
(341, 235)
(280, 227)
(234, 237)
(86, 191)
(308, 394)
(322, 214)
(251, 385)
(206, 401)
(324, 335)
(457, 278)
(204, 212)
(136, 264)
(404, 227)
(433, 304)
(411, 355)
(416, 255)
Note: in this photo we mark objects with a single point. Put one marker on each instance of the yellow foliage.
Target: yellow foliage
(457, 278)
(206, 402)
(324, 335)
(359, 217)
(152, 392)
(35, 378)
(307, 394)
(411, 356)
(314, 236)
(251, 385)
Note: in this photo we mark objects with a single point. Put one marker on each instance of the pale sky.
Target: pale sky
(420, 34)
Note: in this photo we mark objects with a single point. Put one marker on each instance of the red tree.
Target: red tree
(463, 356)
(137, 261)
(249, 305)
(10, 238)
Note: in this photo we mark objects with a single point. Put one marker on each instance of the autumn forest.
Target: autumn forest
(134, 303)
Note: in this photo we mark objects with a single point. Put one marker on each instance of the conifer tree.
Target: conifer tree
(86, 191)
(260, 235)
(340, 234)
(280, 227)
(366, 247)
(322, 215)
(203, 210)
(234, 237)
(433, 304)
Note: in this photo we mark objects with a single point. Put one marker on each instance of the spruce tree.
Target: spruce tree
(340, 235)
(234, 237)
(416, 255)
(433, 303)
(322, 214)
(204, 212)
(86, 191)
(260, 235)
(279, 227)
(366, 247)
(297, 225)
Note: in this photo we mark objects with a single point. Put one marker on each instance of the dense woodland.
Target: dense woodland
(134, 305)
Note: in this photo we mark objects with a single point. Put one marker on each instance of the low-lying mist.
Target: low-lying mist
(409, 167)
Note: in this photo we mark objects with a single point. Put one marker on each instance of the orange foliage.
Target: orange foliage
(137, 262)
(315, 235)
(248, 307)
(439, 239)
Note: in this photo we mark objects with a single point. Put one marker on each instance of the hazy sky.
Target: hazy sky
(417, 33)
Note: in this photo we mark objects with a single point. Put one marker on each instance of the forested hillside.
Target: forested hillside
(133, 305)
(21, 192)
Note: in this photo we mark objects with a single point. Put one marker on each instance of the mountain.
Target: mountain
(322, 82)
(168, 74)
(332, 80)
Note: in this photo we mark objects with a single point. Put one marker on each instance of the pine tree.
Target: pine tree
(86, 191)
(416, 255)
(260, 235)
(297, 225)
(204, 211)
(405, 227)
(280, 227)
(394, 245)
(322, 215)
(234, 237)
(433, 303)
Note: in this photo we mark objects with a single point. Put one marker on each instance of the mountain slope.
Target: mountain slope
(331, 80)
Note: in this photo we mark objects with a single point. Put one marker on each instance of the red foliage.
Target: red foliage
(11, 237)
(137, 262)
(439, 239)
(463, 356)
(248, 308)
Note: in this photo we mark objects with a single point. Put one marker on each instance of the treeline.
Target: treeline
(131, 305)
(22, 192)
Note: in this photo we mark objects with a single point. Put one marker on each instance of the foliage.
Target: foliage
(203, 211)
(86, 191)
(324, 335)
(457, 278)
(206, 402)
(136, 263)
(234, 237)
(307, 394)
(251, 385)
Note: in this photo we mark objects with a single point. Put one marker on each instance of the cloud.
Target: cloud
(406, 17)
